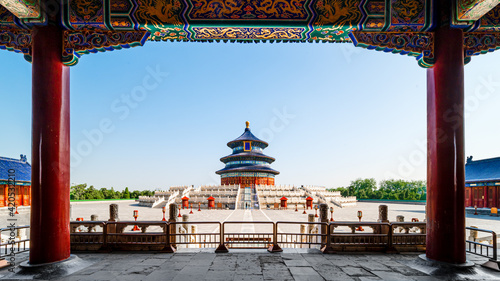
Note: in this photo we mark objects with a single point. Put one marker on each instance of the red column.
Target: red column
(21, 195)
(445, 161)
(50, 149)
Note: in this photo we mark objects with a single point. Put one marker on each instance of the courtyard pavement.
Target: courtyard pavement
(292, 264)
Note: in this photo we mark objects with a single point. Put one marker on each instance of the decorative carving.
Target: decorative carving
(476, 43)
(16, 40)
(416, 44)
(245, 33)
(248, 10)
(76, 43)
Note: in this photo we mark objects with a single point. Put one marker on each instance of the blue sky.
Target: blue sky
(331, 112)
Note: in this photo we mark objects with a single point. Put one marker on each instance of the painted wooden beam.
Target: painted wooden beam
(23, 9)
(472, 10)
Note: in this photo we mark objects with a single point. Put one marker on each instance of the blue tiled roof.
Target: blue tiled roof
(22, 168)
(482, 170)
(247, 156)
(246, 136)
(248, 168)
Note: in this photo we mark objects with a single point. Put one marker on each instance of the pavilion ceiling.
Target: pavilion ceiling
(398, 26)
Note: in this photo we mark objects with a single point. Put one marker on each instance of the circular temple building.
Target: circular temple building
(247, 165)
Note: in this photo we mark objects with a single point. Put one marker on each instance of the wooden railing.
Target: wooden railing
(163, 236)
(13, 245)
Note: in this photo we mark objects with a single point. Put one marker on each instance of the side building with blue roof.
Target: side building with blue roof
(15, 173)
(482, 183)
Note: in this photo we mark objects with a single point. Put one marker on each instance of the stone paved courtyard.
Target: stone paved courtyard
(300, 264)
(292, 264)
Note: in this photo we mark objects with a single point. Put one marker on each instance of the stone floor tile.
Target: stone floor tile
(297, 271)
(181, 257)
(153, 261)
(164, 275)
(248, 277)
(333, 274)
(390, 276)
(355, 271)
(101, 275)
(308, 278)
(291, 263)
(372, 265)
(405, 270)
(368, 278)
(190, 277)
(140, 269)
(340, 261)
(194, 270)
(220, 275)
(173, 265)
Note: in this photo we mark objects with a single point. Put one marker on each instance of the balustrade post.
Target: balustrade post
(275, 247)
(222, 247)
(105, 247)
(173, 213)
(390, 244)
(168, 247)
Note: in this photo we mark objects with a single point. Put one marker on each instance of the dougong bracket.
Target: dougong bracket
(16, 40)
(77, 43)
(477, 43)
(416, 44)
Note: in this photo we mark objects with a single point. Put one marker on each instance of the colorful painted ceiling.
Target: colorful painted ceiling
(398, 26)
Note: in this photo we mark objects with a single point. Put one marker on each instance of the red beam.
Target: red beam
(50, 177)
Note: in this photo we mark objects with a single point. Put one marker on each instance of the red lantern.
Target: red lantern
(179, 212)
(199, 206)
(136, 215)
(191, 208)
(164, 210)
(331, 212)
(360, 215)
(316, 208)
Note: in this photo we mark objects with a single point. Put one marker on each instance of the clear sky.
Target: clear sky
(330, 112)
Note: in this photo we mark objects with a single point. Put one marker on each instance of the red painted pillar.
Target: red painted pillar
(50, 149)
(445, 161)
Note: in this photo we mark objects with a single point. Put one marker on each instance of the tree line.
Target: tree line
(82, 192)
(388, 189)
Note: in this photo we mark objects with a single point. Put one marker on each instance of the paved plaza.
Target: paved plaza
(292, 264)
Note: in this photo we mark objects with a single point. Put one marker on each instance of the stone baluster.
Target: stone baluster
(173, 213)
(323, 217)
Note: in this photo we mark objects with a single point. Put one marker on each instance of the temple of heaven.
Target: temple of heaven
(247, 165)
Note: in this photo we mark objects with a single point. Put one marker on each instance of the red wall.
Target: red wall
(247, 181)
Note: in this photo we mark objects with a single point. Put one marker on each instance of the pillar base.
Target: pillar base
(328, 250)
(49, 271)
(274, 248)
(168, 249)
(222, 249)
(492, 264)
(445, 265)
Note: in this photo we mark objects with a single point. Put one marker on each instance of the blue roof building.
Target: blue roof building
(247, 165)
(482, 182)
(15, 173)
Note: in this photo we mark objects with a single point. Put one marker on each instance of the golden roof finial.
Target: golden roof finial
(248, 124)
